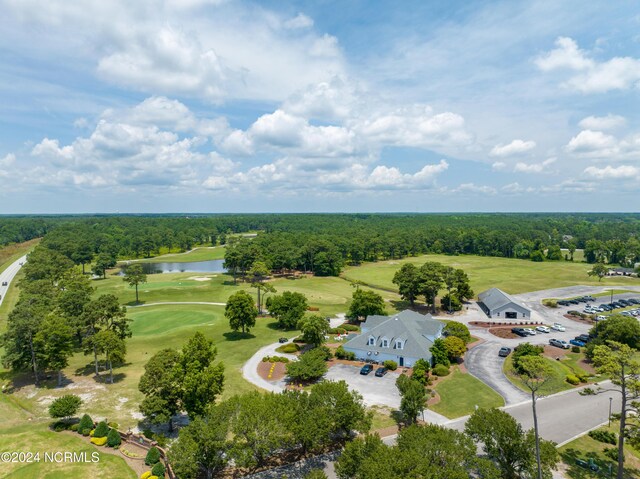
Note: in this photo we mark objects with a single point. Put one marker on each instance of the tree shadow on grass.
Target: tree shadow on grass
(237, 335)
(276, 327)
(575, 471)
(135, 303)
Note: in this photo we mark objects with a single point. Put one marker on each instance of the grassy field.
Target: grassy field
(20, 431)
(197, 254)
(557, 382)
(461, 393)
(586, 448)
(511, 275)
(329, 294)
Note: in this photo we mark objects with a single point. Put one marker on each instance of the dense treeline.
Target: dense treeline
(323, 243)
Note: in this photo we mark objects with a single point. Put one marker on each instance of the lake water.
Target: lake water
(213, 266)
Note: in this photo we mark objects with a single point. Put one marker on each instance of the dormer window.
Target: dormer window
(372, 341)
(399, 344)
(385, 343)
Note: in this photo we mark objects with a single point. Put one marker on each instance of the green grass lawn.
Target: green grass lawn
(586, 448)
(330, 295)
(197, 254)
(461, 393)
(555, 384)
(19, 431)
(511, 275)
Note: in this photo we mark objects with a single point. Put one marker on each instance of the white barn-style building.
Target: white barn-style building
(499, 305)
(404, 338)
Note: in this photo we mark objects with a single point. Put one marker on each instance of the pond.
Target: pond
(212, 266)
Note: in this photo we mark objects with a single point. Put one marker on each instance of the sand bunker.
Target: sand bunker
(200, 278)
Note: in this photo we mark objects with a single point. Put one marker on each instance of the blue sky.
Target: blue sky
(215, 106)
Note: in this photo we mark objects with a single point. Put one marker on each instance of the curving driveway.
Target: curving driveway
(250, 368)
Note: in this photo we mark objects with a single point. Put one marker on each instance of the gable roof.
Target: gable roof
(495, 298)
(417, 332)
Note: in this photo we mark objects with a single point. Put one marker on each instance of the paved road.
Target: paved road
(250, 368)
(8, 274)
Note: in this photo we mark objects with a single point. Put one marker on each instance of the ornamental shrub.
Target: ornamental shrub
(85, 423)
(440, 370)
(158, 469)
(99, 441)
(153, 477)
(390, 364)
(288, 348)
(350, 327)
(341, 353)
(575, 349)
(153, 456)
(74, 427)
(604, 436)
(101, 430)
(113, 438)
(572, 379)
(91, 432)
(59, 426)
(145, 475)
(86, 431)
(611, 453)
(113, 425)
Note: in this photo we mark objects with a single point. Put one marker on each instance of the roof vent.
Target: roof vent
(396, 318)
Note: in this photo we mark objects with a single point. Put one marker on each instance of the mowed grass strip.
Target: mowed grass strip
(202, 253)
(11, 253)
(511, 275)
(461, 393)
(555, 384)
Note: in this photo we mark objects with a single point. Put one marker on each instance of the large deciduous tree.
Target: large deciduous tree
(431, 282)
(241, 312)
(161, 385)
(599, 270)
(408, 281)
(314, 329)
(288, 308)
(365, 303)
(413, 398)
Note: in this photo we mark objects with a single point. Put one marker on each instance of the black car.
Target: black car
(520, 332)
(625, 302)
(283, 340)
(4, 283)
(380, 372)
(573, 301)
(504, 352)
(589, 298)
(563, 303)
(366, 369)
(633, 301)
(585, 338)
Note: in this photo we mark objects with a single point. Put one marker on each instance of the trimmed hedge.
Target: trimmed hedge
(101, 430)
(604, 436)
(572, 379)
(440, 370)
(158, 469)
(275, 359)
(575, 349)
(99, 441)
(339, 330)
(74, 427)
(86, 431)
(153, 456)
(288, 348)
(350, 327)
(113, 438)
(390, 364)
(341, 353)
(145, 475)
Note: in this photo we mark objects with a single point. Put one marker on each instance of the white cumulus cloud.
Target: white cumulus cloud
(516, 147)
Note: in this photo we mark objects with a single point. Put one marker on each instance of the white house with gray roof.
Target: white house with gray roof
(404, 338)
(499, 305)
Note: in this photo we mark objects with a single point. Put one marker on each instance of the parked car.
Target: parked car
(572, 301)
(520, 332)
(504, 352)
(589, 298)
(530, 331)
(558, 327)
(577, 342)
(585, 338)
(543, 329)
(283, 340)
(366, 369)
(600, 317)
(559, 343)
(562, 302)
(574, 312)
(381, 372)
(4, 283)
(633, 301)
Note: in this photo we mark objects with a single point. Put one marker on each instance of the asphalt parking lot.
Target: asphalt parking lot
(375, 391)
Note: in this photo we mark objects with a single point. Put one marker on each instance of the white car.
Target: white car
(530, 331)
(543, 329)
(600, 317)
(558, 327)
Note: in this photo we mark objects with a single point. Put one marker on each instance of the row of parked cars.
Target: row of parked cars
(367, 368)
(524, 332)
(580, 340)
(581, 299)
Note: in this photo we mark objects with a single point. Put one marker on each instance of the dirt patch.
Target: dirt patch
(579, 319)
(277, 373)
(387, 431)
(503, 333)
(505, 324)
(553, 352)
